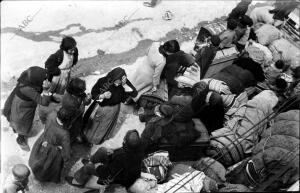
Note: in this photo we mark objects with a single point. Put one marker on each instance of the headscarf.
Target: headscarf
(33, 77)
(67, 43)
(131, 140)
(115, 74)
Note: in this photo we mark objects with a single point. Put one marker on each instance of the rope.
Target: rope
(271, 116)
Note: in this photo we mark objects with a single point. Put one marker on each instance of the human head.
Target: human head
(169, 47)
(34, 76)
(117, 76)
(231, 24)
(65, 115)
(76, 87)
(200, 88)
(164, 110)
(21, 172)
(131, 140)
(246, 21)
(281, 83)
(68, 44)
(279, 64)
(215, 40)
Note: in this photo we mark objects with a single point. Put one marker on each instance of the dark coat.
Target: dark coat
(51, 152)
(118, 93)
(55, 60)
(204, 58)
(238, 11)
(123, 167)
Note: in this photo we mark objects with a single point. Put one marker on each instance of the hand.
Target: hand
(107, 95)
(154, 88)
(88, 97)
(180, 85)
(46, 84)
(109, 151)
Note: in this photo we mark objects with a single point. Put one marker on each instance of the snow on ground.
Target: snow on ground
(94, 15)
(97, 21)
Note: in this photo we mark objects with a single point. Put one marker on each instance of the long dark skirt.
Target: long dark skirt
(46, 162)
(101, 123)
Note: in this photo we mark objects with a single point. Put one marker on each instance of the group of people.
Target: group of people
(71, 115)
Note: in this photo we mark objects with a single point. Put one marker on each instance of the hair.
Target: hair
(131, 140)
(76, 87)
(171, 46)
(281, 83)
(68, 43)
(64, 115)
(279, 64)
(200, 87)
(246, 21)
(231, 24)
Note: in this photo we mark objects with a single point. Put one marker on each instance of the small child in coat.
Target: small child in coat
(227, 37)
(19, 183)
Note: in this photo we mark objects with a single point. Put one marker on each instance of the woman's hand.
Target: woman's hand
(107, 95)
(46, 84)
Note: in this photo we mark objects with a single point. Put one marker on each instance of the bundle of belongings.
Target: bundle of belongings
(274, 162)
(237, 138)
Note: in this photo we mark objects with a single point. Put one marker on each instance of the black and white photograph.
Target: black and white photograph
(150, 96)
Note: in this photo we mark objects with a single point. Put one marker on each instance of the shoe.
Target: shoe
(22, 142)
(69, 180)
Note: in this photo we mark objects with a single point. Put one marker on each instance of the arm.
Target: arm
(132, 93)
(75, 57)
(41, 99)
(66, 148)
(96, 89)
(52, 64)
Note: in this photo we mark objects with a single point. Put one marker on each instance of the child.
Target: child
(20, 179)
(227, 37)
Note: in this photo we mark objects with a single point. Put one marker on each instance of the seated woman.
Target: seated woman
(165, 128)
(243, 32)
(102, 115)
(121, 166)
(60, 63)
(147, 75)
(51, 152)
(227, 37)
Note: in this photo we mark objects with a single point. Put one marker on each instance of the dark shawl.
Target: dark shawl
(107, 84)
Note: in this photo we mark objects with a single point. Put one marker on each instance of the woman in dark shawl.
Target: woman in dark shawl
(22, 102)
(107, 93)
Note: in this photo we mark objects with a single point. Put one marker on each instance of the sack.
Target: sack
(261, 14)
(267, 33)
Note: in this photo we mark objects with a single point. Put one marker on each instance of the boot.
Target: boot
(22, 142)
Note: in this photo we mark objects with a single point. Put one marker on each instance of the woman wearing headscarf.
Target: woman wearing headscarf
(60, 63)
(22, 102)
(147, 75)
(120, 166)
(107, 94)
(51, 152)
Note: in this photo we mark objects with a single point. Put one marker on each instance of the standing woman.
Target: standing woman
(60, 63)
(23, 100)
(107, 93)
(147, 75)
(51, 152)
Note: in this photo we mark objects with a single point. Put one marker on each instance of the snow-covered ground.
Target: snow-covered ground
(95, 25)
